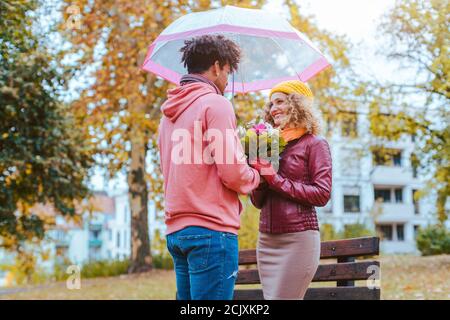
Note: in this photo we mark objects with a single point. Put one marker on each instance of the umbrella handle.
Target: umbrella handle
(232, 90)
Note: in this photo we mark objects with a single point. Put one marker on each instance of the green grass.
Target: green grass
(402, 277)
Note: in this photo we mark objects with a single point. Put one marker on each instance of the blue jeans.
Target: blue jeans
(206, 263)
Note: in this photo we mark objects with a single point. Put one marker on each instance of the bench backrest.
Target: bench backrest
(345, 272)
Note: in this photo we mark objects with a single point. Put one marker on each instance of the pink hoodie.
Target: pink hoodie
(202, 193)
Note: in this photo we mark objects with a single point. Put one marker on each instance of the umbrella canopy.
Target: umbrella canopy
(272, 49)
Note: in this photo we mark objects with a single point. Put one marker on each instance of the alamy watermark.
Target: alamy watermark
(74, 280)
(374, 280)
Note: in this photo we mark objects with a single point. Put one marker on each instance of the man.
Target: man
(204, 170)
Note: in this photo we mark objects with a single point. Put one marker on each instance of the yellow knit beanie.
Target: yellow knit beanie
(294, 86)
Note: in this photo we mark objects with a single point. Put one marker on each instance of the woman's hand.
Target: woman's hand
(262, 183)
(264, 168)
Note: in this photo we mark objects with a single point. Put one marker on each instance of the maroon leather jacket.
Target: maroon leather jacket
(303, 181)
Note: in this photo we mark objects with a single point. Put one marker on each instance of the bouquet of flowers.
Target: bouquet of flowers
(261, 140)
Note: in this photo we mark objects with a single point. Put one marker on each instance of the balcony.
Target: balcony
(391, 175)
(62, 243)
(395, 212)
(95, 243)
(95, 226)
(61, 238)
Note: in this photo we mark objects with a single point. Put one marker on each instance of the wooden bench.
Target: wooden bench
(345, 272)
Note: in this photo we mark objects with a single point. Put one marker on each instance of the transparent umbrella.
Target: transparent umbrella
(272, 49)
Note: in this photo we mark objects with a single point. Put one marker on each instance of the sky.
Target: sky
(354, 18)
(357, 19)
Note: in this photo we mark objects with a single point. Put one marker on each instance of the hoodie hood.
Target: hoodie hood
(182, 97)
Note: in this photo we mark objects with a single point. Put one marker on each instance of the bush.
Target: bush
(327, 232)
(433, 240)
(59, 271)
(162, 261)
(353, 230)
(160, 255)
(104, 268)
(356, 230)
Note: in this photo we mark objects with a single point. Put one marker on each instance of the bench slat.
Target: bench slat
(325, 272)
(356, 247)
(247, 256)
(366, 246)
(329, 293)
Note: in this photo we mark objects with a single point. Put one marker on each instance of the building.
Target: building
(376, 186)
(87, 240)
(105, 233)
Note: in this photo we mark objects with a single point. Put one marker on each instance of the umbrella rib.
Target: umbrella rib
(223, 14)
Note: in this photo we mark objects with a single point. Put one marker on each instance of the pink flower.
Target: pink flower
(260, 128)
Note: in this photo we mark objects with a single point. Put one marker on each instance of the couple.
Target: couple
(202, 207)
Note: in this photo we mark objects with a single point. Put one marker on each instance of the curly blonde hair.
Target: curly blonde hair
(300, 114)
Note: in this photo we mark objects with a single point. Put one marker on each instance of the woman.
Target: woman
(288, 250)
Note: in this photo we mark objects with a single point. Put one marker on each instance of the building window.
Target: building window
(400, 232)
(415, 202)
(349, 124)
(398, 195)
(383, 194)
(415, 162)
(95, 234)
(387, 157)
(415, 170)
(351, 203)
(385, 231)
(397, 159)
(391, 195)
(416, 230)
(118, 240)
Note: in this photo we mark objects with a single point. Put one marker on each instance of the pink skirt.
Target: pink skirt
(287, 263)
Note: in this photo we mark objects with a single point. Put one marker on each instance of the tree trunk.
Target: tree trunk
(440, 206)
(141, 258)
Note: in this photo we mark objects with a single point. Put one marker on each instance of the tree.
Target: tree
(418, 40)
(43, 155)
(122, 106)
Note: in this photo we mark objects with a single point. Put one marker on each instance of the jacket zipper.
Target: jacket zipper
(270, 228)
(270, 216)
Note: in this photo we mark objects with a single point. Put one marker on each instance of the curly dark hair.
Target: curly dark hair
(200, 53)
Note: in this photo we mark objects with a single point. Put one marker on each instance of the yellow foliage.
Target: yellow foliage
(248, 233)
